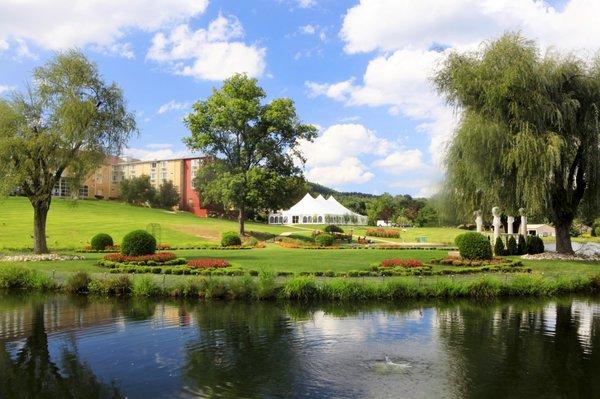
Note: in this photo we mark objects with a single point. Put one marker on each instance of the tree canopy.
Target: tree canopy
(528, 135)
(67, 121)
(254, 146)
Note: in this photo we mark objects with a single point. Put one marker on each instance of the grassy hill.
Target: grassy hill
(72, 224)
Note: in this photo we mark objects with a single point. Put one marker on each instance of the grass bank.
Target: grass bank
(267, 287)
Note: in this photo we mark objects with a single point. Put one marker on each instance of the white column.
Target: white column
(523, 226)
(510, 221)
(496, 223)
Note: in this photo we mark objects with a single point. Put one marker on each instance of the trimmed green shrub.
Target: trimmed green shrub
(474, 246)
(230, 239)
(332, 228)
(78, 283)
(324, 240)
(511, 246)
(100, 241)
(499, 249)
(137, 243)
(521, 245)
(535, 245)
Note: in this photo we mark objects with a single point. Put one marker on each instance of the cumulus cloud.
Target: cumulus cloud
(348, 171)
(410, 38)
(401, 161)
(151, 153)
(172, 106)
(214, 53)
(62, 24)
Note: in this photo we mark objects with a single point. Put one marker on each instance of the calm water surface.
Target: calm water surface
(57, 346)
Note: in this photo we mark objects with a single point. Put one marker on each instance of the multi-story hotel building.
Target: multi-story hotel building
(105, 182)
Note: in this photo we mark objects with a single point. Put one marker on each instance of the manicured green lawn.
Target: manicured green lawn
(72, 224)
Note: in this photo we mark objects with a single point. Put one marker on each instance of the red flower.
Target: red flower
(408, 263)
(158, 257)
(208, 263)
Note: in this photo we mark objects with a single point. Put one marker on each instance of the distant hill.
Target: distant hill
(316, 189)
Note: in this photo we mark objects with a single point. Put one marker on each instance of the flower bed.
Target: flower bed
(208, 263)
(383, 233)
(160, 257)
(407, 263)
(453, 261)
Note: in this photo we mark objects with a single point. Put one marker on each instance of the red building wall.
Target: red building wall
(190, 201)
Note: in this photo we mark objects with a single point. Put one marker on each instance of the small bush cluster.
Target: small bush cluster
(138, 242)
(468, 262)
(535, 245)
(474, 246)
(407, 263)
(101, 242)
(383, 233)
(78, 283)
(208, 263)
(18, 277)
(333, 228)
(230, 239)
(511, 246)
(521, 245)
(324, 240)
(499, 249)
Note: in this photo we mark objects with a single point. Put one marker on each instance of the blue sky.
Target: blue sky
(359, 70)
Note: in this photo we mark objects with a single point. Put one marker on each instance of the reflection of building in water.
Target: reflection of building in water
(61, 315)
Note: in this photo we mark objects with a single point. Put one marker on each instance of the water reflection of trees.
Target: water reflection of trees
(523, 349)
(33, 374)
(243, 350)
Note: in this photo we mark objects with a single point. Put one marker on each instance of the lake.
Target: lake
(59, 346)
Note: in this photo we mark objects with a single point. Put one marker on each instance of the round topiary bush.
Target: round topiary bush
(138, 242)
(332, 228)
(230, 239)
(324, 240)
(100, 241)
(535, 245)
(474, 246)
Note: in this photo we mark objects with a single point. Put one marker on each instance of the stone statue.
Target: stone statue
(523, 226)
(510, 220)
(478, 220)
(496, 222)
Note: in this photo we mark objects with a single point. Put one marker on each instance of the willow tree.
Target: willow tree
(529, 132)
(254, 146)
(64, 125)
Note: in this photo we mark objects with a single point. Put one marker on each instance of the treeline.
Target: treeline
(140, 191)
(403, 210)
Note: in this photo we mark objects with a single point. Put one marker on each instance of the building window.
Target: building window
(83, 192)
(295, 219)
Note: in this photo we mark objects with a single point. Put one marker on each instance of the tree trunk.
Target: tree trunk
(242, 218)
(40, 213)
(563, 237)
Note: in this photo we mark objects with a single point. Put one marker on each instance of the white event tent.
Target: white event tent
(318, 210)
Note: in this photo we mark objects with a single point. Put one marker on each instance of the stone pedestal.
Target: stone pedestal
(496, 223)
(523, 226)
(510, 221)
(478, 221)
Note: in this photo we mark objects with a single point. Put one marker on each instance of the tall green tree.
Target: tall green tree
(138, 190)
(253, 145)
(66, 123)
(529, 133)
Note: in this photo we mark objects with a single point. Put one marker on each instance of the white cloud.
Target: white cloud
(307, 3)
(401, 161)
(342, 141)
(308, 29)
(6, 88)
(172, 106)
(150, 154)
(348, 171)
(424, 187)
(338, 91)
(210, 54)
(159, 146)
(62, 24)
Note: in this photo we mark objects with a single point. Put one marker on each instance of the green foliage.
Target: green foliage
(300, 288)
(427, 217)
(114, 286)
(535, 245)
(167, 196)
(100, 241)
(78, 283)
(474, 246)
(18, 277)
(536, 116)
(138, 190)
(137, 243)
(69, 119)
(521, 245)
(511, 246)
(230, 239)
(145, 286)
(333, 228)
(499, 248)
(254, 146)
(324, 240)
